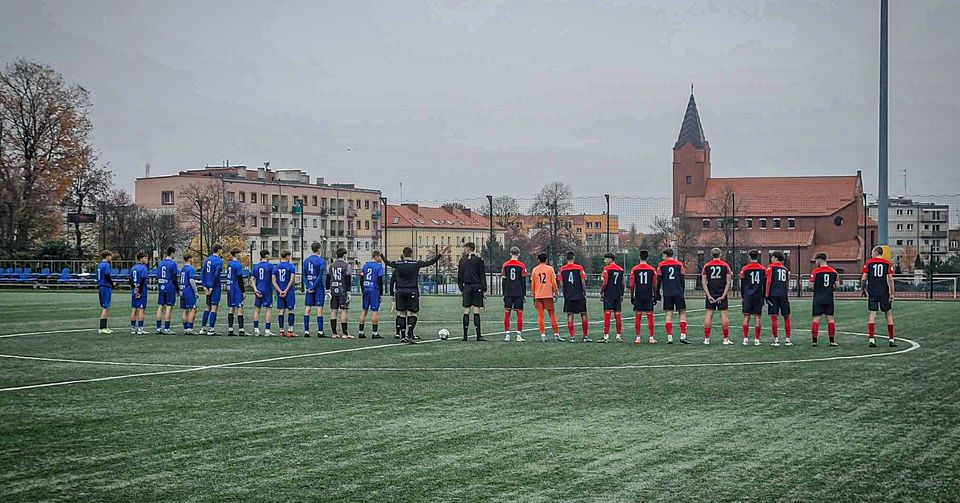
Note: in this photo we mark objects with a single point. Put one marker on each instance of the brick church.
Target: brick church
(799, 215)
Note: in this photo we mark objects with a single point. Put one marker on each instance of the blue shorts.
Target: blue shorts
(288, 302)
(234, 299)
(106, 294)
(266, 300)
(188, 302)
(371, 300)
(166, 298)
(314, 298)
(214, 298)
(138, 302)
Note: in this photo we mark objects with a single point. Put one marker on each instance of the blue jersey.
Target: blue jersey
(284, 272)
(166, 274)
(103, 275)
(262, 277)
(210, 276)
(234, 277)
(372, 273)
(187, 274)
(314, 268)
(138, 279)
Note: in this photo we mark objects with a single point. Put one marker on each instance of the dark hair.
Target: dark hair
(341, 253)
(514, 250)
(470, 246)
(754, 254)
(285, 253)
(571, 255)
(716, 252)
(407, 251)
(187, 256)
(668, 252)
(106, 253)
(778, 255)
(820, 256)
(878, 250)
(170, 250)
(264, 253)
(644, 254)
(217, 248)
(542, 257)
(315, 246)
(235, 251)
(141, 255)
(609, 256)
(375, 254)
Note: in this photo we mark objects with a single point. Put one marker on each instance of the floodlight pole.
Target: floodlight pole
(883, 196)
(490, 241)
(607, 197)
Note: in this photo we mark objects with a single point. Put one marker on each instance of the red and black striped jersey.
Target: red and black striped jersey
(717, 273)
(778, 280)
(613, 282)
(643, 281)
(514, 278)
(824, 280)
(877, 269)
(573, 277)
(671, 278)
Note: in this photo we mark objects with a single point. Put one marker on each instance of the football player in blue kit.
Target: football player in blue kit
(371, 279)
(105, 286)
(235, 292)
(166, 290)
(138, 293)
(188, 294)
(212, 287)
(262, 282)
(314, 268)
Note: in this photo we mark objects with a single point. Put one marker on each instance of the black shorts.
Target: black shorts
(340, 301)
(613, 304)
(513, 303)
(723, 305)
(643, 305)
(752, 305)
(575, 306)
(880, 304)
(778, 305)
(472, 296)
(821, 309)
(407, 300)
(674, 303)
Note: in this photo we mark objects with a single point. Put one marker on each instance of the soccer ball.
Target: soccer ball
(444, 334)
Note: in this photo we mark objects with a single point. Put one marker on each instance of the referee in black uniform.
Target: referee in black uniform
(407, 293)
(472, 280)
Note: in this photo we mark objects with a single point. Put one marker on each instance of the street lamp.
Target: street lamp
(200, 220)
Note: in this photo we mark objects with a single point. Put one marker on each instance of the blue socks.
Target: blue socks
(290, 318)
(320, 323)
(306, 323)
(206, 318)
(213, 319)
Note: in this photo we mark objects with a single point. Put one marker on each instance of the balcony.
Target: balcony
(269, 231)
(376, 215)
(933, 234)
(266, 208)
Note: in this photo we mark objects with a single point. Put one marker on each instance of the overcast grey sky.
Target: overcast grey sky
(467, 98)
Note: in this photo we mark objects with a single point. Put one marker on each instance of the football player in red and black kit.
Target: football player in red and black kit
(753, 289)
(825, 281)
(611, 293)
(670, 278)
(877, 280)
(574, 281)
(717, 279)
(514, 283)
(778, 303)
(643, 294)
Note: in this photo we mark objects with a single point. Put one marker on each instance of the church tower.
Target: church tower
(691, 159)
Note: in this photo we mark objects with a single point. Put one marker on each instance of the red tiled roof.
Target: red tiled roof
(424, 217)
(779, 196)
(849, 250)
(781, 238)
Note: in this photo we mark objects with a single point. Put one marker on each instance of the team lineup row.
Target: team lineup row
(648, 285)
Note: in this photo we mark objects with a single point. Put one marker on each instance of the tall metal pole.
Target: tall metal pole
(383, 225)
(883, 196)
(490, 241)
(607, 197)
(200, 243)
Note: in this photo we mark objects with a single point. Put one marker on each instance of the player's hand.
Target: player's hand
(891, 297)
(445, 250)
(257, 294)
(207, 291)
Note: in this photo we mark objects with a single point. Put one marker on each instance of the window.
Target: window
(396, 220)
(231, 197)
(166, 197)
(314, 223)
(241, 221)
(375, 205)
(909, 212)
(253, 198)
(706, 223)
(909, 227)
(899, 227)
(589, 225)
(358, 204)
(366, 225)
(719, 223)
(263, 199)
(776, 223)
(689, 180)
(323, 202)
(264, 245)
(243, 197)
(926, 227)
(838, 221)
(253, 221)
(791, 223)
(899, 212)
(899, 242)
(599, 225)
(263, 222)
(358, 225)
(748, 222)
(909, 242)
(763, 223)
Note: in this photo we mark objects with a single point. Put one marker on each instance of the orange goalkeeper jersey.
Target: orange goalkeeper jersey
(543, 282)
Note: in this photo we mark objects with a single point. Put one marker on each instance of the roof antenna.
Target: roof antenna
(691, 88)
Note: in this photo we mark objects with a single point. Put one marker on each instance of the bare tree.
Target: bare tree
(676, 232)
(204, 205)
(118, 225)
(159, 229)
(44, 131)
(506, 211)
(727, 209)
(553, 205)
(88, 182)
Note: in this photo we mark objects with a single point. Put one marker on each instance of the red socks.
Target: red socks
(506, 321)
(831, 330)
(746, 331)
(774, 326)
(619, 318)
(637, 319)
(606, 323)
(890, 331)
(871, 329)
(519, 321)
(683, 328)
(786, 326)
(756, 333)
(669, 327)
(585, 324)
(726, 330)
(706, 332)
(815, 330)
(570, 326)
(650, 324)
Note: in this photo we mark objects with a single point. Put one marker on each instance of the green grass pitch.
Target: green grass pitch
(303, 420)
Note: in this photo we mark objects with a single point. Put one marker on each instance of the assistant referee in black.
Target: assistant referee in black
(472, 280)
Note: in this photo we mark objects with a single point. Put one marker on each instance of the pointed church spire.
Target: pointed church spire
(691, 131)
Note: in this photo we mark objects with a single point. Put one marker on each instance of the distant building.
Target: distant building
(588, 230)
(954, 236)
(264, 202)
(800, 216)
(427, 229)
(916, 227)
